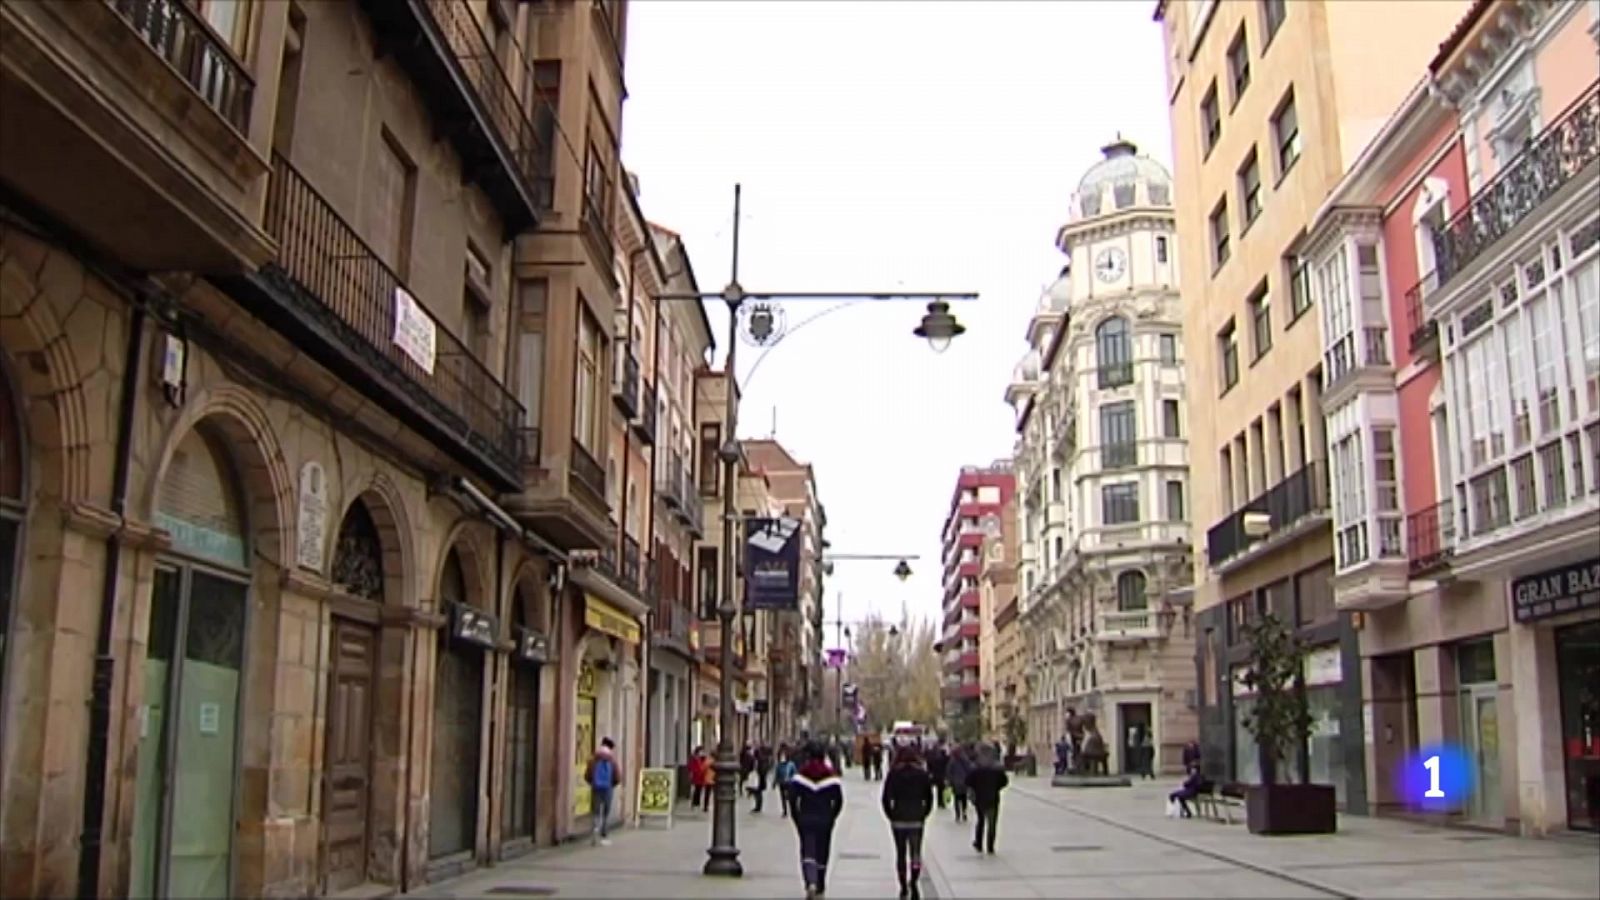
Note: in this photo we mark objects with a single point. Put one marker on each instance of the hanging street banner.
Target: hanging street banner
(772, 563)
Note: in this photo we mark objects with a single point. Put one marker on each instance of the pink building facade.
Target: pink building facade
(977, 507)
(1457, 272)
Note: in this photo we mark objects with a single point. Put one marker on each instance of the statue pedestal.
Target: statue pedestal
(1091, 781)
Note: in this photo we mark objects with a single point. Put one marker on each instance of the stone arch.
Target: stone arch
(530, 592)
(235, 415)
(52, 410)
(383, 502)
(464, 538)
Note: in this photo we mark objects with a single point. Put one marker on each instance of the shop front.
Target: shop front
(1323, 756)
(1556, 641)
(525, 686)
(605, 702)
(456, 760)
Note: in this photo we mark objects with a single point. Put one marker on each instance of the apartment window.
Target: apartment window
(1286, 134)
(1117, 437)
(1169, 419)
(1119, 503)
(1313, 591)
(477, 303)
(1219, 234)
(707, 564)
(1299, 286)
(394, 193)
(1161, 249)
(596, 187)
(1175, 512)
(1386, 500)
(1169, 349)
(1131, 591)
(1228, 352)
(1211, 119)
(1116, 353)
(585, 415)
(1239, 64)
(710, 458)
(1260, 320)
(1273, 13)
(1250, 188)
(229, 18)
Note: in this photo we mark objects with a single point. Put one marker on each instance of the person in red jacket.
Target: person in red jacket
(698, 766)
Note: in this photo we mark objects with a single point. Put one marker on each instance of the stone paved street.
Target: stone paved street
(1055, 843)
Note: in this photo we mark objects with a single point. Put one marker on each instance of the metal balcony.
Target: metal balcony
(669, 484)
(1552, 159)
(606, 561)
(693, 512)
(1423, 328)
(444, 51)
(175, 31)
(1430, 538)
(584, 472)
(625, 387)
(631, 571)
(1286, 503)
(335, 299)
(645, 425)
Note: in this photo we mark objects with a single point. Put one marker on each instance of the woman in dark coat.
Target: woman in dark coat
(960, 764)
(907, 801)
(816, 798)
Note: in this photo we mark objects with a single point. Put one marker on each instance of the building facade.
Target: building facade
(981, 492)
(997, 590)
(794, 649)
(1111, 565)
(681, 341)
(1465, 454)
(372, 451)
(1009, 717)
(710, 417)
(1268, 108)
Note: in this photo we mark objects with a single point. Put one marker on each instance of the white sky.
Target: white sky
(883, 146)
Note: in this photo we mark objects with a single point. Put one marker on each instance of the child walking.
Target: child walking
(907, 801)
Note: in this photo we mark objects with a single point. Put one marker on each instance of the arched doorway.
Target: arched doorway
(457, 718)
(187, 776)
(522, 713)
(358, 572)
(13, 509)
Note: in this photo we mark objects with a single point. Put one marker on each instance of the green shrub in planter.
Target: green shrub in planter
(1281, 721)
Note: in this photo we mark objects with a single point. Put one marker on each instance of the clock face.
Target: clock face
(1110, 264)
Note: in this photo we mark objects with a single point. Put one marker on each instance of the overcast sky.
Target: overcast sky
(883, 146)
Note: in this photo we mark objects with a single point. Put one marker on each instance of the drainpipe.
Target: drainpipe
(96, 767)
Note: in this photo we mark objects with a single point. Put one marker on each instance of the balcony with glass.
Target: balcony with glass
(1295, 506)
(1371, 570)
(1349, 289)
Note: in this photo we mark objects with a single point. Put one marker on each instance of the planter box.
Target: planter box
(1291, 809)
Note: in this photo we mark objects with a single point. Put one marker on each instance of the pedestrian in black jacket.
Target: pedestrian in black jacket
(816, 797)
(985, 782)
(907, 801)
(938, 767)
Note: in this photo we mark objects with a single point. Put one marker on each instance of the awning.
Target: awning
(607, 619)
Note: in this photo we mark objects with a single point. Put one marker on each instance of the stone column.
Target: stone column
(1535, 687)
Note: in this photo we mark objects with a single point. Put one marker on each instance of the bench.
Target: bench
(1219, 803)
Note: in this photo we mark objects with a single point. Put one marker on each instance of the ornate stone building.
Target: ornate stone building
(304, 411)
(1103, 471)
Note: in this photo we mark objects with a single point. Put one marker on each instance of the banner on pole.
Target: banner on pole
(772, 563)
(657, 793)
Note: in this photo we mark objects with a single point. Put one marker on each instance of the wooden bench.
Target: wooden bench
(1219, 803)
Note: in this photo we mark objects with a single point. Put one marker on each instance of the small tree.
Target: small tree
(1281, 718)
(1016, 729)
(966, 727)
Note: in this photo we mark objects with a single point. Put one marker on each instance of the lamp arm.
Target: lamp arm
(751, 373)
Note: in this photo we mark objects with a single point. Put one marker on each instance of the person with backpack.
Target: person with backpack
(907, 802)
(816, 799)
(785, 772)
(960, 765)
(603, 774)
(986, 781)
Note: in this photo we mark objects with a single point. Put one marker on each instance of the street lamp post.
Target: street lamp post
(938, 327)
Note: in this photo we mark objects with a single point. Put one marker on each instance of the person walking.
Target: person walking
(603, 774)
(747, 767)
(708, 780)
(763, 770)
(698, 763)
(786, 770)
(817, 798)
(938, 768)
(957, 770)
(907, 800)
(986, 781)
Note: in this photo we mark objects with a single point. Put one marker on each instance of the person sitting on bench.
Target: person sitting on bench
(1193, 786)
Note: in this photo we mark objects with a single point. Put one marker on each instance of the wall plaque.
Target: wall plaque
(311, 525)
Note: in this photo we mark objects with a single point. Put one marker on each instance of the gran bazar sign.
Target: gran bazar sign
(1556, 591)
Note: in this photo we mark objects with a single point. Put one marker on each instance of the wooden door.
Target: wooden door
(349, 753)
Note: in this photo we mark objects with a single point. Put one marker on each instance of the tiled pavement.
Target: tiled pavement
(1057, 842)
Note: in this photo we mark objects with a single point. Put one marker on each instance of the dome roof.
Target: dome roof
(1124, 178)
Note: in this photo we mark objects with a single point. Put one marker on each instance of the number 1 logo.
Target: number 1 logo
(1432, 765)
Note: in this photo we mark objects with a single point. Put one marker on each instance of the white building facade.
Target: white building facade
(1106, 559)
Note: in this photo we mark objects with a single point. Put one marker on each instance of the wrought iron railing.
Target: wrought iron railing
(587, 472)
(1285, 503)
(1568, 146)
(177, 33)
(646, 425)
(596, 226)
(630, 562)
(606, 560)
(358, 297)
(1424, 329)
(670, 483)
(529, 147)
(1430, 537)
(694, 514)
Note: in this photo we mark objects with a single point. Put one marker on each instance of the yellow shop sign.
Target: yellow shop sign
(607, 619)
